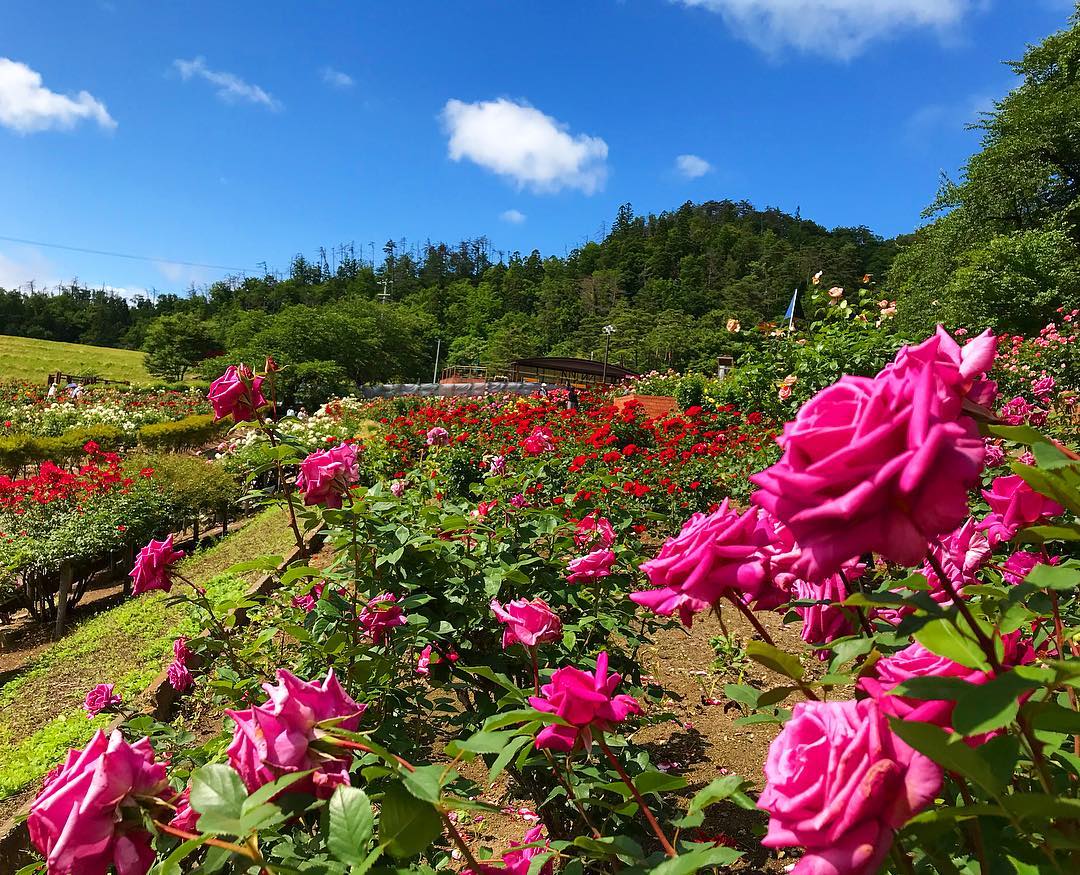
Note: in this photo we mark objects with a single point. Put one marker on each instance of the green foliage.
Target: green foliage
(20, 450)
(192, 431)
(176, 343)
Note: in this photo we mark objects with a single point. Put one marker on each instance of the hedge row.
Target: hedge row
(18, 450)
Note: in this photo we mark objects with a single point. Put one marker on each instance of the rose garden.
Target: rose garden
(461, 650)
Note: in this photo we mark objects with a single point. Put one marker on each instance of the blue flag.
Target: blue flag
(790, 313)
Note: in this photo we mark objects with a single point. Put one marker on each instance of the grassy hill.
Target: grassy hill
(23, 358)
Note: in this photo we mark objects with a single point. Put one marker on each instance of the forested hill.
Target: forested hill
(667, 282)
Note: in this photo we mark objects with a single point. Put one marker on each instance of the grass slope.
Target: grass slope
(24, 358)
(41, 713)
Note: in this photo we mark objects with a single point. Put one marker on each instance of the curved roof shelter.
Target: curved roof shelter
(558, 370)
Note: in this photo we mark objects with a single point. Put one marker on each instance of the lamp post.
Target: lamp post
(608, 331)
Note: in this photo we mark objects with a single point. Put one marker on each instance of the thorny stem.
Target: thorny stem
(535, 668)
(746, 612)
(283, 484)
(203, 602)
(1059, 634)
(903, 861)
(664, 843)
(570, 790)
(242, 850)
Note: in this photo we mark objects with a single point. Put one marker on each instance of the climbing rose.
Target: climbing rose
(1043, 388)
(1013, 506)
(528, 623)
(100, 698)
(540, 441)
(823, 623)
(884, 464)
(326, 475)
(839, 783)
(153, 566)
(915, 661)
(78, 820)
(585, 700)
(380, 615)
(438, 437)
(714, 555)
(594, 531)
(592, 566)
(274, 739)
(179, 676)
(517, 860)
(236, 393)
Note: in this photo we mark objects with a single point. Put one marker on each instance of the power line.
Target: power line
(123, 255)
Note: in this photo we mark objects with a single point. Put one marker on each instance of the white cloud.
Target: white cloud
(520, 142)
(836, 28)
(27, 106)
(692, 166)
(336, 78)
(230, 87)
(935, 120)
(514, 217)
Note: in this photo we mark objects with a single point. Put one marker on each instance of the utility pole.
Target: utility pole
(438, 349)
(608, 331)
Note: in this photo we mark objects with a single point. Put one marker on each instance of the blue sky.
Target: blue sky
(234, 133)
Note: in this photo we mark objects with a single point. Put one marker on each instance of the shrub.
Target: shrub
(192, 431)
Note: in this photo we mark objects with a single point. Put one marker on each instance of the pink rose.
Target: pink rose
(592, 566)
(497, 468)
(398, 487)
(517, 860)
(839, 784)
(274, 739)
(1021, 562)
(380, 615)
(586, 701)
(430, 658)
(828, 621)
(884, 464)
(715, 555)
(179, 677)
(528, 623)
(186, 817)
(326, 475)
(594, 531)
(540, 441)
(1043, 388)
(1014, 506)
(78, 820)
(236, 393)
(181, 653)
(519, 501)
(916, 661)
(153, 566)
(438, 437)
(100, 698)
(306, 602)
(995, 455)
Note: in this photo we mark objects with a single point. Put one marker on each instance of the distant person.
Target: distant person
(543, 390)
(77, 391)
(571, 398)
(52, 389)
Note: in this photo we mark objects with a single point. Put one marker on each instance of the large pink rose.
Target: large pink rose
(916, 661)
(437, 437)
(585, 700)
(1018, 565)
(100, 698)
(380, 615)
(1013, 506)
(273, 739)
(528, 623)
(326, 475)
(594, 531)
(78, 820)
(153, 566)
(591, 566)
(839, 784)
(518, 860)
(236, 393)
(540, 441)
(880, 465)
(716, 554)
(826, 621)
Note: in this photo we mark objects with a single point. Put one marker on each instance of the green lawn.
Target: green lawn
(23, 358)
(41, 713)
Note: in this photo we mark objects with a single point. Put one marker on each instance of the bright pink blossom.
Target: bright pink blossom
(438, 437)
(398, 487)
(497, 467)
(1021, 562)
(236, 393)
(1043, 388)
(540, 441)
(592, 566)
(275, 738)
(881, 465)
(100, 698)
(594, 531)
(380, 615)
(181, 653)
(519, 501)
(180, 677)
(153, 566)
(528, 623)
(78, 820)
(826, 621)
(518, 859)
(186, 817)
(585, 700)
(839, 784)
(1014, 505)
(326, 475)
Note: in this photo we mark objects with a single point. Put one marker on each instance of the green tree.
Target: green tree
(175, 344)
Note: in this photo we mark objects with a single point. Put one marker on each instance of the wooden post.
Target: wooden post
(224, 521)
(67, 575)
(195, 530)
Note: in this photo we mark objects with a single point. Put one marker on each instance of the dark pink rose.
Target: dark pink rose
(186, 817)
(1014, 506)
(826, 621)
(540, 441)
(100, 698)
(518, 859)
(1021, 562)
(78, 820)
(528, 623)
(153, 566)
(181, 653)
(438, 437)
(840, 784)
(380, 615)
(275, 738)
(306, 602)
(236, 393)
(592, 566)
(880, 465)
(995, 454)
(585, 700)
(179, 677)
(594, 531)
(326, 475)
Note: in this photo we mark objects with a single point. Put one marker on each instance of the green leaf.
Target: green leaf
(407, 825)
(425, 782)
(352, 822)
(295, 572)
(1056, 577)
(218, 794)
(1053, 717)
(1042, 534)
(1049, 457)
(507, 754)
(171, 864)
(943, 638)
(480, 742)
(932, 688)
(696, 860)
(775, 696)
(949, 750)
(777, 660)
(1018, 434)
(263, 563)
(991, 705)
(742, 693)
